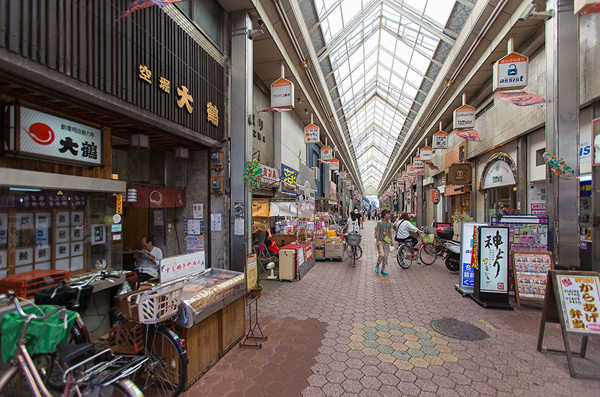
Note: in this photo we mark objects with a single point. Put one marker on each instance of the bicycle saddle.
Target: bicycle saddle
(68, 353)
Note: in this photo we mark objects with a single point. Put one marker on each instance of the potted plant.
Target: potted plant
(458, 218)
(257, 289)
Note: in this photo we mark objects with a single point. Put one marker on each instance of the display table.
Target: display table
(295, 260)
(210, 318)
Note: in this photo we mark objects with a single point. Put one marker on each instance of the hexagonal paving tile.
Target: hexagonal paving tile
(401, 343)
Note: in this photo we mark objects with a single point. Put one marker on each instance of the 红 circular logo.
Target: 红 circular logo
(41, 133)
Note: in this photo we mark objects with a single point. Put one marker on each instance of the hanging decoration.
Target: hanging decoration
(431, 166)
(440, 139)
(521, 98)
(139, 4)
(469, 135)
(252, 173)
(558, 166)
(275, 110)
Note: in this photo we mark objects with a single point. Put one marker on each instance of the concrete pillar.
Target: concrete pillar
(241, 138)
(562, 129)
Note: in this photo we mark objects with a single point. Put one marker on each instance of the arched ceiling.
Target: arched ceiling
(379, 59)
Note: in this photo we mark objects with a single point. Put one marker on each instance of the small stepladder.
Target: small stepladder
(254, 334)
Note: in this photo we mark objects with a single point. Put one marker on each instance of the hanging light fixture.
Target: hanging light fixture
(141, 141)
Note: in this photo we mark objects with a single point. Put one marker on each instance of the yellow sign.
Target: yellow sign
(165, 85)
(145, 74)
(186, 99)
(212, 114)
(251, 271)
(119, 204)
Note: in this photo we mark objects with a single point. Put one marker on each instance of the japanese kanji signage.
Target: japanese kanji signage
(435, 195)
(288, 179)
(326, 153)
(510, 72)
(269, 174)
(176, 267)
(493, 259)
(334, 165)
(440, 140)
(282, 94)
(45, 135)
(311, 134)
(251, 271)
(580, 302)
(411, 169)
(418, 163)
(464, 117)
(343, 176)
(426, 154)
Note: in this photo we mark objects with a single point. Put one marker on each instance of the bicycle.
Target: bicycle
(405, 255)
(353, 246)
(165, 371)
(433, 250)
(91, 376)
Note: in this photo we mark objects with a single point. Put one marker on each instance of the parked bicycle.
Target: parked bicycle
(406, 254)
(102, 374)
(353, 246)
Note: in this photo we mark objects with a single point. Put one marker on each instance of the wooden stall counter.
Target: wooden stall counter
(211, 318)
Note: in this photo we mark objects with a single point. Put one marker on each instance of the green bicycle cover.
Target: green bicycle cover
(43, 335)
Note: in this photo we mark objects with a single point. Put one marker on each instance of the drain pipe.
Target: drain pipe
(486, 27)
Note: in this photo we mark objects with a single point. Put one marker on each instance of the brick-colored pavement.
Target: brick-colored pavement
(344, 331)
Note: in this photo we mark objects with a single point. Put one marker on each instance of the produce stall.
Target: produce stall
(211, 313)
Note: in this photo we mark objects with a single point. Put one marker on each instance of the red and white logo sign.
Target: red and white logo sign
(269, 174)
(435, 196)
(41, 133)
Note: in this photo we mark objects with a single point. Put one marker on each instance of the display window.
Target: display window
(500, 200)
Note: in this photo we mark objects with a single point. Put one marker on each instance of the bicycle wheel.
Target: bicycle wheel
(404, 256)
(354, 253)
(428, 254)
(121, 388)
(165, 371)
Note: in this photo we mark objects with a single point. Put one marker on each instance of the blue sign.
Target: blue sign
(585, 189)
(116, 228)
(467, 273)
(288, 180)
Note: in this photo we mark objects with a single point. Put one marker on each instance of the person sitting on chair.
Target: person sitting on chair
(147, 260)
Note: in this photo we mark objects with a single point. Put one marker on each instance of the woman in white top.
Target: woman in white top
(403, 227)
(354, 222)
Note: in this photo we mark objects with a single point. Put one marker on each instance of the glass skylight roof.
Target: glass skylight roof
(380, 52)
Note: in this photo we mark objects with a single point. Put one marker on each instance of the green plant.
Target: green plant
(259, 276)
(460, 217)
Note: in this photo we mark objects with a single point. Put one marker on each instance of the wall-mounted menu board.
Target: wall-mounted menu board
(531, 273)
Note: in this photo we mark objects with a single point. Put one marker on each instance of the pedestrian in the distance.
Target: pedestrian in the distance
(383, 238)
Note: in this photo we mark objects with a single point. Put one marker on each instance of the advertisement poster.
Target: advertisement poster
(195, 244)
(493, 259)
(531, 270)
(467, 273)
(288, 179)
(580, 302)
(194, 226)
(198, 211)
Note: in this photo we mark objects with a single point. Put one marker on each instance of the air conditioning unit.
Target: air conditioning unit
(317, 173)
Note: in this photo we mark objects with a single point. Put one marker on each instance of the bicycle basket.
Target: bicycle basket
(42, 335)
(353, 239)
(152, 306)
(427, 238)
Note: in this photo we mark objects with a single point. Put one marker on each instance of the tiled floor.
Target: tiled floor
(345, 330)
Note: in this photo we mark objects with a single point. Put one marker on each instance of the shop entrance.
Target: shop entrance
(135, 226)
(500, 200)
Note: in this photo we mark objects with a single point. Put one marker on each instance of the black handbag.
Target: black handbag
(65, 295)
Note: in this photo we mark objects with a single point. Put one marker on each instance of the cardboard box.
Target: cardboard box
(334, 250)
(318, 242)
(319, 252)
(332, 240)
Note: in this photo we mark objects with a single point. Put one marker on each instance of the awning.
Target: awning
(13, 177)
(149, 197)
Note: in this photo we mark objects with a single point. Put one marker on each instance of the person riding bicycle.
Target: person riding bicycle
(403, 228)
(353, 222)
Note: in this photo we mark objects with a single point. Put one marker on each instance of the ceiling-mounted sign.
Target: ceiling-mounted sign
(420, 171)
(411, 169)
(282, 94)
(47, 136)
(334, 165)
(412, 179)
(405, 175)
(464, 117)
(440, 140)
(417, 162)
(343, 175)
(311, 134)
(459, 174)
(401, 186)
(426, 154)
(510, 72)
(326, 153)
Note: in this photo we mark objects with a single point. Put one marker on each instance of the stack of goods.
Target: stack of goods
(334, 249)
(209, 288)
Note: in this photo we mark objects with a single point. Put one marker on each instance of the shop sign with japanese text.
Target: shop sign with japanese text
(405, 175)
(269, 174)
(332, 191)
(334, 165)
(311, 134)
(426, 154)
(326, 153)
(45, 135)
(282, 94)
(411, 169)
(440, 140)
(435, 195)
(179, 266)
(510, 72)
(493, 259)
(418, 163)
(288, 179)
(343, 176)
(581, 302)
(464, 117)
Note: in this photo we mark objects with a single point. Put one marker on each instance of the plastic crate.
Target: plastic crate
(152, 306)
(127, 338)
(27, 283)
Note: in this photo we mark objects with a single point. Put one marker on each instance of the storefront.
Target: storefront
(498, 181)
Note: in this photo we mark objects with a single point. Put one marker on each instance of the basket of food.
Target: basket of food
(152, 306)
(353, 239)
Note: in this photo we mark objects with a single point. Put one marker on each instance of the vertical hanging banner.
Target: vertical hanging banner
(311, 134)
(334, 165)
(282, 94)
(491, 274)
(426, 154)
(326, 153)
(440, 140)
(510, 72)
(464, 117)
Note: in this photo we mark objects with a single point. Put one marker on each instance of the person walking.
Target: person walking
(383, 238)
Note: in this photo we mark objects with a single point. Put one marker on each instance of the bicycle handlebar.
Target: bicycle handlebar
(11, 295)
